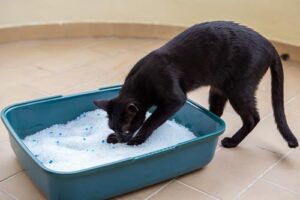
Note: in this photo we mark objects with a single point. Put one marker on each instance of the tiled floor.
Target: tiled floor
(262, 167)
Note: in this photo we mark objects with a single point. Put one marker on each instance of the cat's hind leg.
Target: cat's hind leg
(244, 104)
(217, 101)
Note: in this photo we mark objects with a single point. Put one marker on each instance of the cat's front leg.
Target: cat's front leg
(159, 116)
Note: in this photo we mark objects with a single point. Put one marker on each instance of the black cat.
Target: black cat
(229, 57)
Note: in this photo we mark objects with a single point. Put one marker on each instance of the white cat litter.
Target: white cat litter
(81, 143)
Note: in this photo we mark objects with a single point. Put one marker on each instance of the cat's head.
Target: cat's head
(125, 117)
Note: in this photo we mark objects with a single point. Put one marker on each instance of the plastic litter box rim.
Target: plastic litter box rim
(118, 163)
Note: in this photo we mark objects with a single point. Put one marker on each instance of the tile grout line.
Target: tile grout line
(81, 47)
(80, 66)
(266, 149)
(292, 99)
(197, 190)
(10, 196)
(41, 68)
(36, 89)
(88, 82)
(14, 174)
(160, 189)
(5, 141)
(261, 175)
(280, 186)
(263, 119)
(38, 66)
(285, 104)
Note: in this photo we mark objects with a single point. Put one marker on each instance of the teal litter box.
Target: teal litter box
(105, 181)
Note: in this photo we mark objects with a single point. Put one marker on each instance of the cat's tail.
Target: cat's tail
(277, 101)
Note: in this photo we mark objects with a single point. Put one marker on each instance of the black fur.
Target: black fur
(229, 57)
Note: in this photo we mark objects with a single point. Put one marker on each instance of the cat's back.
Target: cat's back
(205, 54)
(217, 51)
(215, 35)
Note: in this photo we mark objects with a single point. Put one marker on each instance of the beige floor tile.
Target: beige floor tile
(179, 191)
(117, 63)
(264, 103)
(8, 161)
(59, 62)
(200, 96)
(291, 80)
(265, 82)
(141, 194)
(144, 50)
(264, 191)
(15, 75)
(4, 195)
(124, 60)
(21, 187)
(287, 173)
(109, 80)
(18, 53)
(266, 134)
(3, 133)
(18, 93)
(233, 124)
(61, 82)
(129, 60)
(293, 115)
(111, 45)
(109, 64)
(103, 71)
(231, 171)
(64, 55)
(129, 57)
(56, 46)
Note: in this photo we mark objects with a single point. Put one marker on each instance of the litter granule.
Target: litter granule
(81, 143)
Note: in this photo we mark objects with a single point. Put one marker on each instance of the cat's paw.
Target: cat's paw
(136, 141)
(112, 138)
(229, 143)
(293, 143)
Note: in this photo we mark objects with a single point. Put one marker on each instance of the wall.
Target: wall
(276, 19)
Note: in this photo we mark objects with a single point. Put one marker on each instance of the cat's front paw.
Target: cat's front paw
(136, 141)
(112, 138)
(229, 143)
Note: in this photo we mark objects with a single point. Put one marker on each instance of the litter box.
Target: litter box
(109, 180)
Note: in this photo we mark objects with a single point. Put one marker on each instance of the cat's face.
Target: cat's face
(124, 117)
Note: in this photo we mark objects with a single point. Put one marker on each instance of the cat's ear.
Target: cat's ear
(101, 103)
(132, 108)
